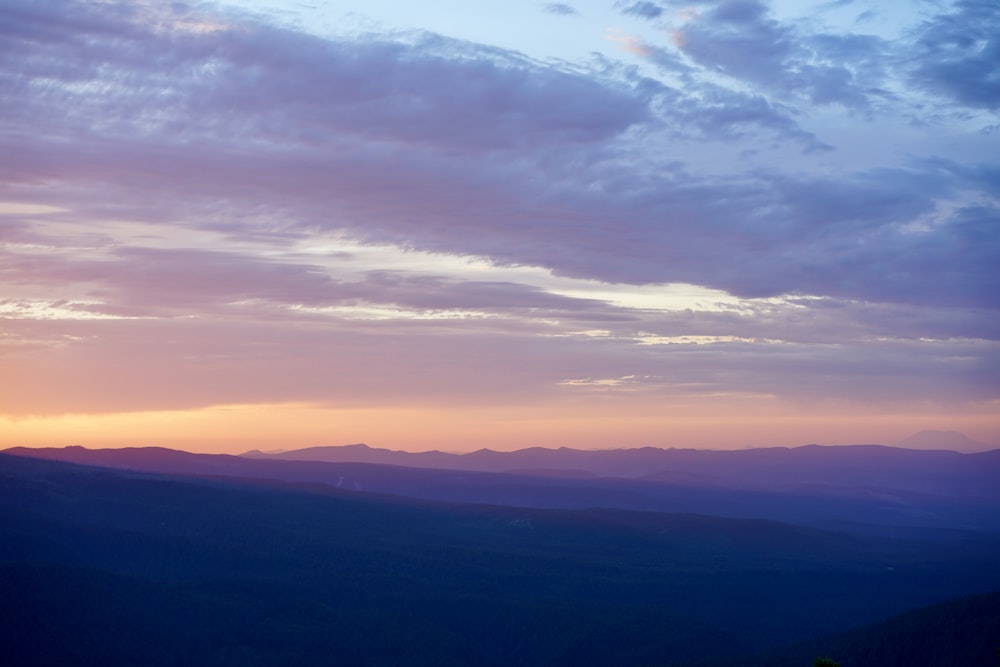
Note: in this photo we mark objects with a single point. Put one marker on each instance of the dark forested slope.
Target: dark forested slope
(101, 566)
(964, 632)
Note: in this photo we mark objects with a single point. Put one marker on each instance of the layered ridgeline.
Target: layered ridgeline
(104, 565)
(781, 465)
(844, 487)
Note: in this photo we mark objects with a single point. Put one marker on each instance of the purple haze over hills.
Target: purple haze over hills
(943, 440)
(869, 484)
(774, 468)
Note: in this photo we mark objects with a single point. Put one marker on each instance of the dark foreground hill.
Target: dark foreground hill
(960, 632)
(101, 566)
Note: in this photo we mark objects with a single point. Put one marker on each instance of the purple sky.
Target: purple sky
(641, 214)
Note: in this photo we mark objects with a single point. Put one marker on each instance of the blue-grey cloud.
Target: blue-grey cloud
(440, 145)
(956, 54)
(270, 85)
(741, 39)
(560, 8)
(642, 9)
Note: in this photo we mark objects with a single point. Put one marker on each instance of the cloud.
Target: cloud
(187, 362)
(560, 9)
(952, 54)
(642, 9)
(178, 282)
(269, 86)
(194, 179)
(475, 153)
(888, 373)
(957, 54)
(741, 39)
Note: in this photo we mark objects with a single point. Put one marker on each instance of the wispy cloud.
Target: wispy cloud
(560, 8)
(193, 202)
(642, 9)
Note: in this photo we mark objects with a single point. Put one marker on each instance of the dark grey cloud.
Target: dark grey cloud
(953, 54)
(741, 39)
(560, 8)
(957, 54)
(740, 12)
(865, 17)
(708, 112)
(642, 9)
(723, 113)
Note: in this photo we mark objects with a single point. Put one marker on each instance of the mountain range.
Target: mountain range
(765, 468)
(813, 485)
(872, 555)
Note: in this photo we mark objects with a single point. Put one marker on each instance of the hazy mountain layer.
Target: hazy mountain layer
(924, 471)
(809, 485)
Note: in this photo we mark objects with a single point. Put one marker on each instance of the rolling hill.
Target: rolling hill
(829, 486)
(104, 565)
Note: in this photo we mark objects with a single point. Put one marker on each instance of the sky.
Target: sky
(454, 225)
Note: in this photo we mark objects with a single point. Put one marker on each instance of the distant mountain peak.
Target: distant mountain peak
(931, 439)
(276, 453)
(268, 452)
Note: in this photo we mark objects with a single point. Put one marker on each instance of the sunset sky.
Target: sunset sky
(457, 224)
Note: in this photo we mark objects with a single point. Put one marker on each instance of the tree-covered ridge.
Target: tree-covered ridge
(100, 567)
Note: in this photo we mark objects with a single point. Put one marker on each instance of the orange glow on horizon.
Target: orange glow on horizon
(238, 428)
